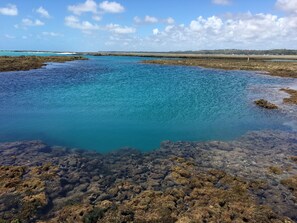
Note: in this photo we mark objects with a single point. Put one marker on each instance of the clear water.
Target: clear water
(110, 102)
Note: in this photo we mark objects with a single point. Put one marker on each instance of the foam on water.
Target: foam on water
(110, 102)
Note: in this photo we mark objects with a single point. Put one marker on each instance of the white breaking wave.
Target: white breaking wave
(66, 53)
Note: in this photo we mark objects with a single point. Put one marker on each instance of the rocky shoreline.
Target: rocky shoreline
(252, 179)
(293, 96)
(287, 104)
(22, 63)
(280, 68)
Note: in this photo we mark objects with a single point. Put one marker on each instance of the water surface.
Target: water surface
(110, 102)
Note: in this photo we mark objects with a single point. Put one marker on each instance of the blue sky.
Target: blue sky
(154, 25)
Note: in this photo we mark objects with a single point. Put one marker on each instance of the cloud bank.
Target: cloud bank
(230, 31)
(9, 10)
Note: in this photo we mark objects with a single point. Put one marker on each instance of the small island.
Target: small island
(22, 63)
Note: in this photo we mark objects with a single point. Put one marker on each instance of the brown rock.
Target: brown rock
(265, 104)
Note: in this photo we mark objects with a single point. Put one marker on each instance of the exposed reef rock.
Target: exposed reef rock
(8, 63)
(293, 96)
(265, 104)
(281, 68)
(249, 180)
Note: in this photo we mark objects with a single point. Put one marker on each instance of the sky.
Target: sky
(147, 25)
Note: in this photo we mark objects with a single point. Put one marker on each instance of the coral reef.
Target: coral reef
(293, 96)
(252, 179)
(23, 191)
(291, 183)
(264, 65)
(19, 63)
(275, 170)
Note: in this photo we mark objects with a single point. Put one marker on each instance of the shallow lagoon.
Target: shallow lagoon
(110, 102)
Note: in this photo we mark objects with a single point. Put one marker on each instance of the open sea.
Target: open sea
(106, 103)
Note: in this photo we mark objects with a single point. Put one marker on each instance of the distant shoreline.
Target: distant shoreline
(194, 55)
(281, 66)
(274, 65)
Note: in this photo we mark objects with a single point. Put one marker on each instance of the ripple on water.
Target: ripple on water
(110, 102)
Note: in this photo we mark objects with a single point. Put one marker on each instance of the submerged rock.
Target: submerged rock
(291, 183)
(23, 191)
(252, 179)
(293, 96)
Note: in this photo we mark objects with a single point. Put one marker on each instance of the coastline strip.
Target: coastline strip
(23, 63)
(274, 65)
(269, 67)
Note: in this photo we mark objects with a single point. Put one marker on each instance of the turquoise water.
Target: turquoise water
(110, 102)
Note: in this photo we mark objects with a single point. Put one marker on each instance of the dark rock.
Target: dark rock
(265, 104)
(181, 182)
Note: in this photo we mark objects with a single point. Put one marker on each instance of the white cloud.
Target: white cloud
(169, 20)
(10, 10)
(29, 22)
(289, 6)
(136, 19)
(52, 34)
(74, 22)
(119, 41)
(155, 31)
(150, 19)
(221, 2)
(227, 31)
(43, 12)
(97, 17)
(90, 6)
(9, 36)
(71, 20)
(247, 29)
(115, 28)
(111, 7)
(87, 6)
(243, 31)
(212, 24)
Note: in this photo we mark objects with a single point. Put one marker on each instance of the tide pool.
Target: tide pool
(110, 102)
